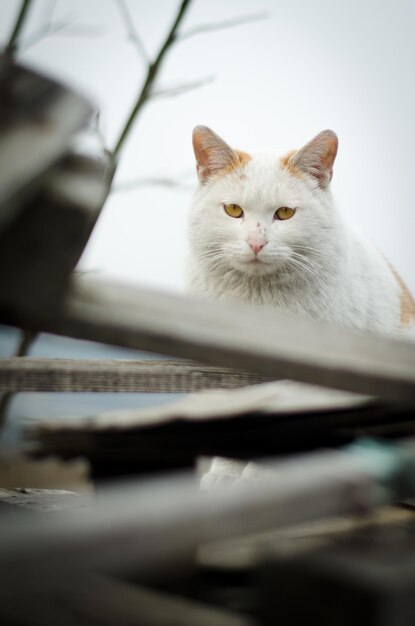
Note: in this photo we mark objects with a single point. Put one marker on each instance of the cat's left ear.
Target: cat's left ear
(317, 157)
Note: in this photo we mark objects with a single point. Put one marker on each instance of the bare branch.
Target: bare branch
(13, 42)
(97, 130)
(133, 35)
(170, 183)
(152, 72)
(238, 21)
(47, 30)
(49, 9)
(83, 30)
(179, 89)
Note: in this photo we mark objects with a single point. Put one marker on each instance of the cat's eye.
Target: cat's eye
(233, 210)
(284, 213)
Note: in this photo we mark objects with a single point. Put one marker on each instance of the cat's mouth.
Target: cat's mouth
(257, 260)
(256, 265)
(254, 261)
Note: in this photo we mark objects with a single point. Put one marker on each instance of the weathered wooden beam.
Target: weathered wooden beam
(41, 500)
(153, 526)
(175, 435)
(42, 244)
(73, 598)
(366, 579)
(267, 343)
(38, 119)
(145, 376)
(245, 553)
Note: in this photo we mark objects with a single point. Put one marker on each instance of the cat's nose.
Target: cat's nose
(256, 245)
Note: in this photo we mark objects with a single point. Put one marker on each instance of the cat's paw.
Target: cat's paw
(229, 473)
(213, 480)
(222, 473)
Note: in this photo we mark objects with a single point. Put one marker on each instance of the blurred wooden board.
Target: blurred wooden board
(245, 553)
(41, 245)
(147, 376)
(82, 599)
(366, 578)
(38, 118)
(41, 500)
(264, 342)
(262, 420)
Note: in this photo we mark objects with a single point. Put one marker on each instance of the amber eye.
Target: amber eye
(284, 213)
(233, 210)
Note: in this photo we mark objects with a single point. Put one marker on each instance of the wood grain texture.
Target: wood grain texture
(41, 500)
(38, 118)
(145, 376)
(267, 343)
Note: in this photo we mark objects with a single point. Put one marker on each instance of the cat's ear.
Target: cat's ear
(317, 157)
(213, 155)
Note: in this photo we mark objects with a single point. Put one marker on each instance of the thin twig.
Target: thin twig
(47, 30)
(13, 43)
(179, 89)
(132, 31)
(156, 181)
(97, 130)
(237, 21)
(152, 72)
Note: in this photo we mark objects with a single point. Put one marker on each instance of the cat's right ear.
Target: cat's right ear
(213, 155)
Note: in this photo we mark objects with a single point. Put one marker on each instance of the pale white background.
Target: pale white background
(313, 64)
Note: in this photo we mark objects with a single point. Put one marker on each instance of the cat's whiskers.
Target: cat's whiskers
(308, 267)
(318, 251)
(306, 260)
(215, 259)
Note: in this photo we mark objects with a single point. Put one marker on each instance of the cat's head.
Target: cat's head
(260, 213)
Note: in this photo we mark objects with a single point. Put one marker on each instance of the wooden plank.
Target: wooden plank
(171, 437)
(44, 242)
(145, 376)
(74, 598)
(99, 600)
(41, 500)
(108, 601)
(245, 553)
(151, 526)
(38, 117)
(267, 343)
(366, 579)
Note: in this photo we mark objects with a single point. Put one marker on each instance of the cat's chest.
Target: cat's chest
(297, 298)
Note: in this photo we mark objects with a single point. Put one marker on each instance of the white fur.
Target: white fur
(313, 263)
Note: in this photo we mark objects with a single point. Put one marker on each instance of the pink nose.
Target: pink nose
(256, 246)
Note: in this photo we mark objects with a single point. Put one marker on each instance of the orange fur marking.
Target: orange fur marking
(286, 162)
(407, 301)
(241, 159)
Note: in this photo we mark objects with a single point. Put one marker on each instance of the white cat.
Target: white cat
(264, 230)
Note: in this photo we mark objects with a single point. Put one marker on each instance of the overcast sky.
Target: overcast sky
(311, 65)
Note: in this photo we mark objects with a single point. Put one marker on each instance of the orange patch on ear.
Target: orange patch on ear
(241, 159)
(287, 163)
(214, 157)
(407, 301)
